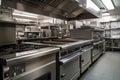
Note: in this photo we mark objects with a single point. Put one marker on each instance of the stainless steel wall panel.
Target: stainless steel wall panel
(7, 33)
(81, 34)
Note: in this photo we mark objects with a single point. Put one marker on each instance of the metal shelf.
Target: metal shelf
(111, 38)
(113, 28)
(115, 47)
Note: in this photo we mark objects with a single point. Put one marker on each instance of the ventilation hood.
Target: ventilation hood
(62, 9)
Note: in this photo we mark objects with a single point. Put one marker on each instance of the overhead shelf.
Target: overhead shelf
(6, 20)
(32, 31)
(10, 20)
(112, 43)
(113, 28)
(115, 47)
(112, 38)
(34, 39)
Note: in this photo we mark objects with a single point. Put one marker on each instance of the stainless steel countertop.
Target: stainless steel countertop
(26, 55)
(74, 44)
(65, 46)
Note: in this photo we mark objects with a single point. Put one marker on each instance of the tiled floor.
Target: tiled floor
(106, 68)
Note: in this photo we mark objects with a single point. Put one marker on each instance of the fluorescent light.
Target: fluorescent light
(48, 20)
(105, 14)
(113, 19)
(108, 18)
(77, 1)
(23, 20)
(0, 2)
(24, 14)
(108, 3)
(92, 5)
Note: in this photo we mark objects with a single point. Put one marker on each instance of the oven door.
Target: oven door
(70, 67)
(86, 59)
(97, 50)
(41, 68)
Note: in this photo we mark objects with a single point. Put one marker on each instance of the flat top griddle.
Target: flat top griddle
(66, 43)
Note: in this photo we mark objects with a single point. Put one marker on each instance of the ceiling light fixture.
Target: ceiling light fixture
(105, 14)
(108, 3)
(24, 14)
(77, 1)
(23, 20)
(0, 2)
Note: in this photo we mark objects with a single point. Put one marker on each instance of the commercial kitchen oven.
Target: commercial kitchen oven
(69, 62)
(87, 33)
(68, 56)
(93, 33)
(28, 62)
(50, 30)
(82, 55)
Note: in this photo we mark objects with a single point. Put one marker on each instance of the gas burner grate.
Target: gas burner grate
(10, 49)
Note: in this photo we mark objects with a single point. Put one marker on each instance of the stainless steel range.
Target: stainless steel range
(70, 63)
(96, 34)
(69, 60)
(28, 62)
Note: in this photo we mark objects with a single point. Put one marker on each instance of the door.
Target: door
(85, 59)
(70, 70)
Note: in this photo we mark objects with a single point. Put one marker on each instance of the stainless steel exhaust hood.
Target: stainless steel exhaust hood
(63, 9)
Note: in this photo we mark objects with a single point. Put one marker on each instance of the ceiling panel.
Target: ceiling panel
(98, 3)
(115, 12)
(116, 3)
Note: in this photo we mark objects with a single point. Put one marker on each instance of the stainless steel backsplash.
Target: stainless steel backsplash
(7, 33)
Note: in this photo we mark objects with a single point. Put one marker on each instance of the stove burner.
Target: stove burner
(10, 49)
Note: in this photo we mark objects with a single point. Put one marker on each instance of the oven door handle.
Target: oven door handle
(73, 56)
(98, 43)
(70, 57)
(85, 50)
